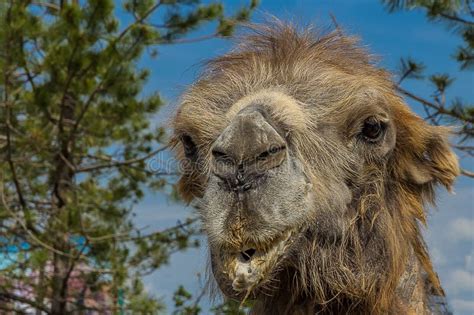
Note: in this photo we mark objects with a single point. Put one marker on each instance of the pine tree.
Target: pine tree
(458, 17)
(75, 135)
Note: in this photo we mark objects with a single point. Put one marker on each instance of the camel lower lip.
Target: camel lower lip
(248, 268)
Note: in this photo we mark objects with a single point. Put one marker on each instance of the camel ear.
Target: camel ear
(439, 164)
(423, 153)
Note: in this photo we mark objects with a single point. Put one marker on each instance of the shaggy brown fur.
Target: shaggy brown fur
(375, 261)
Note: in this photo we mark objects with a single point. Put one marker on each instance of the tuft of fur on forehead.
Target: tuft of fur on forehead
(284, 69)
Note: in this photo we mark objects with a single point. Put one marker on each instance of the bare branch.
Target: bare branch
(404, 76)
(464, 147)
(467, 173)
(456, 18)
(10, 296)
(115, 163)
(190, 40)
(336, 25)
(125, 237)
(179, 226)
(429, 116)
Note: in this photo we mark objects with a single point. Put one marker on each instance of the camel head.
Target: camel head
(309, 172)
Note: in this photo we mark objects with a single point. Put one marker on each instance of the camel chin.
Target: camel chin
(250, 267)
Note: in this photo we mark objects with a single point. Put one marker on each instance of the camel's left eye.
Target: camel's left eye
(373, 130)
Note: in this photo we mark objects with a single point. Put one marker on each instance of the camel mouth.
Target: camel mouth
(251, 266)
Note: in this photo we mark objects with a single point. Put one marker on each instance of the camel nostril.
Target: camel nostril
(247, 255)
(272, 151)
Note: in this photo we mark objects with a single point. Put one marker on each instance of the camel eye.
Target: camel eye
(373, 130)
(190, 149)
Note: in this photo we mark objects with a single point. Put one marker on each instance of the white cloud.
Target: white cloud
(469, 262)
(463, 306)
(460, 280)
(461, 229)
(437, 257)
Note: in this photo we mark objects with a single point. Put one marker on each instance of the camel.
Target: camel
(311, 176)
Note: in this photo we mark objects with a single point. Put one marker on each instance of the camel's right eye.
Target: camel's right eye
(190, 149)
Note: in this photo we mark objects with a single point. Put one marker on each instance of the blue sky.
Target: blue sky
(450, 232)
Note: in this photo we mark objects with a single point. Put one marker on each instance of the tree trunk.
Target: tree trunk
(63, 181)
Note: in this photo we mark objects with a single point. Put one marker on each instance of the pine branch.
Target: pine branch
(26, 228)
(138, 21)
(439, 109)
(98, 89)
(48, 5)
(6, 91)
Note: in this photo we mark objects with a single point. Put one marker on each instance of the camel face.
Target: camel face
(311, 176)
(261, 201)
